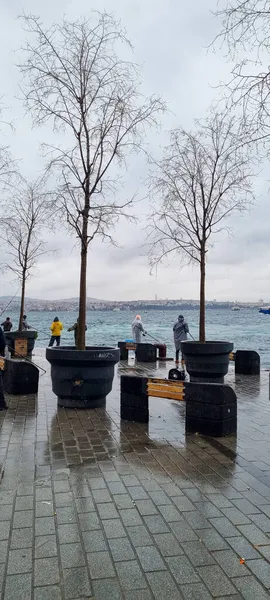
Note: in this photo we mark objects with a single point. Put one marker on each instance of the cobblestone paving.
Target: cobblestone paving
(96, 508)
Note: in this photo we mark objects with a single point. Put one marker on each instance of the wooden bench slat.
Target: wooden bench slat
(168, 394)
(168, 382)
(162, 388)
(165, 388)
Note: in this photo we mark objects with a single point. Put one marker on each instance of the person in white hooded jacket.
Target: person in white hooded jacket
(138, 329)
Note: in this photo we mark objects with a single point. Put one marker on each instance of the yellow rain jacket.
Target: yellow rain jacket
(56, 328)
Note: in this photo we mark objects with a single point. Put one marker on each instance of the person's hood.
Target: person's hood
(181, 320)
(136, 321)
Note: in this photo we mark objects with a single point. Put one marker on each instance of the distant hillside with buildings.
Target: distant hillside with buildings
(72, 304)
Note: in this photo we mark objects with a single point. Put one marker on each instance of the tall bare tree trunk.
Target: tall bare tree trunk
(202, 295)
(80, 345)
(82, 306)
(22, 302)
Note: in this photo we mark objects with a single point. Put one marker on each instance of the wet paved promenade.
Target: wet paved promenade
(92, 507)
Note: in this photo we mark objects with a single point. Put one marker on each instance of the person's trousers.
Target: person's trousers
(55, 338)
(177, 352)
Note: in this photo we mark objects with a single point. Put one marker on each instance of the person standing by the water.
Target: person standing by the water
(24, 323)
(56, 329)
(180, 331)
(75, 329)
(3, 405)
(138, 329)
(7, 325)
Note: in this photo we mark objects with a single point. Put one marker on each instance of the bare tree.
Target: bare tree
(204, 176)
(26, 214)
(245, 29)
(7, 164)
(7, 167)
(77, 81)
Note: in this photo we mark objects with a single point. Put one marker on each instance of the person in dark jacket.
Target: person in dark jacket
(24, 323)
(180, 331)
(75, 329)
(2, 342)
(7, 325)
(3, 405)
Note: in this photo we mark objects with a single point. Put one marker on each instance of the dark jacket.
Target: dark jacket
(2, 342)
(7, 325)
(75, 329)
(25, 324)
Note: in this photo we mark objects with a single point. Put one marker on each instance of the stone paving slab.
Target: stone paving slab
(95, 508)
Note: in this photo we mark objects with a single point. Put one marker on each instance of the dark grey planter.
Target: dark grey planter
(208, 362)
(29, 334)
(20, 377)
(82, 378)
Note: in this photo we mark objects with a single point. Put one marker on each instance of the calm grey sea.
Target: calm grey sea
(247, 328)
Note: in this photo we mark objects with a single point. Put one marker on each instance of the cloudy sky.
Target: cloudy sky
(170, 39)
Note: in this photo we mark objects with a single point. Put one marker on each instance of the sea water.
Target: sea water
(247, 328)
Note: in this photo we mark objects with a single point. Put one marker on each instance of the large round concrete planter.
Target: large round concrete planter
(82, 378)
(29, 334)
(208, 362)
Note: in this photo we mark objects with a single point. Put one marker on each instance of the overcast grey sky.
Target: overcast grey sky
(170, 39)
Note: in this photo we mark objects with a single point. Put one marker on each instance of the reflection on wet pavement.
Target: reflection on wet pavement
(92, 507)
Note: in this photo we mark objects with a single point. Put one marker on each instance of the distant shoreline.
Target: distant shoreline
(93, 305)
(131, 308)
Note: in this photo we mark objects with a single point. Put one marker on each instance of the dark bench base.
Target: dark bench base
(211, 409)
(247, 362)
(134, 399)
(144, 352)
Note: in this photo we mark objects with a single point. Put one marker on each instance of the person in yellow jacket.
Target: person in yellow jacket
(56, 329)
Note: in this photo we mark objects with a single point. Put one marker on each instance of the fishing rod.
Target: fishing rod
(6, 307)
(27, 359)
(153, 338)
(48, 333)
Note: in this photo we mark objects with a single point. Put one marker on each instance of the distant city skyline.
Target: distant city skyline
(14, 301)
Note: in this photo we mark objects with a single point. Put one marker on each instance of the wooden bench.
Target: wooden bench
(211, 408)
(163, 388)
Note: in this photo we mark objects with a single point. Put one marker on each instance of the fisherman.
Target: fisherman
(180, 331)
(75, 329)
(138, 329)
(3, 405)
(7, 325)
(24, 323)
(56, 329)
